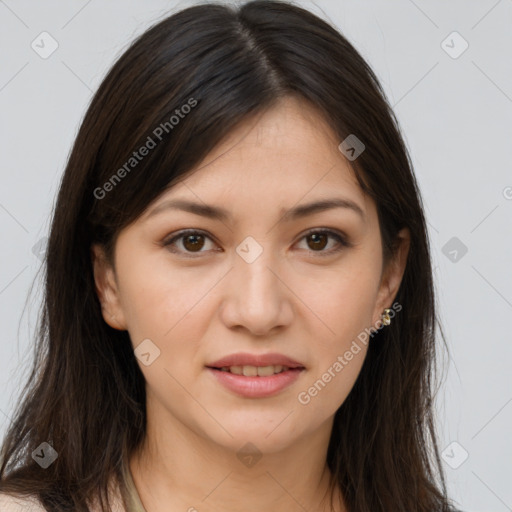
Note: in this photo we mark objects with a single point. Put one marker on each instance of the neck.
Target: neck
(177, 469)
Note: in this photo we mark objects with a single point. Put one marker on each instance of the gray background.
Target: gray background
(456, 115)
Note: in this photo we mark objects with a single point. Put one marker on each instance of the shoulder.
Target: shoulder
(9, 503)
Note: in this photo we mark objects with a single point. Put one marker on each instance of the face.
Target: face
(261, 284)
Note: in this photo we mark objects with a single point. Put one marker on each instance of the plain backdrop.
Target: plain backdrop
(446, 69)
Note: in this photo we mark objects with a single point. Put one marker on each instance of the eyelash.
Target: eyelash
(343, 243)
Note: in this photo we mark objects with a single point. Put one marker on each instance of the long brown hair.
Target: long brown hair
(86, 395)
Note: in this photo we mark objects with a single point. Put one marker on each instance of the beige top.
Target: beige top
(31, 504)
(11, 504)
(136, 504)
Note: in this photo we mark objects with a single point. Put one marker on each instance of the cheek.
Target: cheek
(346, 308)
(342, 300)
(329, 388)
(157, 298)
(168, 309)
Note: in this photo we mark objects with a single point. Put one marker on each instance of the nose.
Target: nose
(257, 298)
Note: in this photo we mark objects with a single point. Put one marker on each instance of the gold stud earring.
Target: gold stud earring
(386, 319)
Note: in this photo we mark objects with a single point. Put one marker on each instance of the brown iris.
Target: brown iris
(318, 238)
(192, 242)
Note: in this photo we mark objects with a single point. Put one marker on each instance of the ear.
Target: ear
(107, 289)
(392, 274)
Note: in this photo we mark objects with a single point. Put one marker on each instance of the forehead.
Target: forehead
(285, 156)
(288, 138)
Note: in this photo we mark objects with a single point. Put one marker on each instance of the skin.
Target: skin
(289, 300)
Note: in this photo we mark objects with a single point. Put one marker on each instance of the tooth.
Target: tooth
(265, 371)
(253, 371)
(250, 371)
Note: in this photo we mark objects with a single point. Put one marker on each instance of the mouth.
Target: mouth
(250, 381)
(256, 371)
(256, 376)
(245, 363)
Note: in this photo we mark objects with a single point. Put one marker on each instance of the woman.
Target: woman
(239, 310)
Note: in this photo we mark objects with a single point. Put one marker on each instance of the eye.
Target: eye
(192, 241)
(317, 240)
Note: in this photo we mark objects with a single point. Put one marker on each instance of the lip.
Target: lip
(247, 359)
(256, 387)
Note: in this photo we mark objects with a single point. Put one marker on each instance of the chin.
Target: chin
(267, 432)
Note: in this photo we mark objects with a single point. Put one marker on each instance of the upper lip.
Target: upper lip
(246, 359)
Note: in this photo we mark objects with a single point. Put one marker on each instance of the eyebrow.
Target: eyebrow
(221, 214)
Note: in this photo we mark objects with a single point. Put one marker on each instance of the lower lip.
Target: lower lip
(256, 387)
